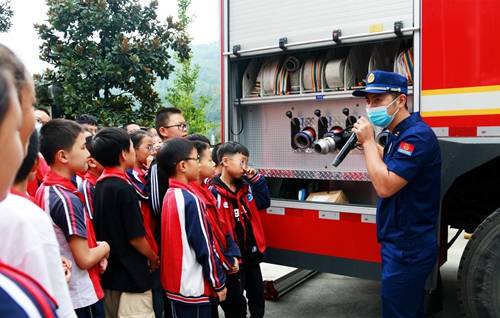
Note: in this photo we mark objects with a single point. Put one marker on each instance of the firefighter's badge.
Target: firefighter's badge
(371, 78)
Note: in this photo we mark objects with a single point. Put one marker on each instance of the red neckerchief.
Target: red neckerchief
(90, 178)
(20, 194)
(113, 173)
(204, 193)
(172, 183)
(141, 174)
(54, 179)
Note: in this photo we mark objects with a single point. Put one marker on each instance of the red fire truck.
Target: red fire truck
(288, 71)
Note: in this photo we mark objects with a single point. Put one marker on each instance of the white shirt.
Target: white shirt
(28, 242)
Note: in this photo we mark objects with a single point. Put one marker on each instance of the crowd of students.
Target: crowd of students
(123, 222)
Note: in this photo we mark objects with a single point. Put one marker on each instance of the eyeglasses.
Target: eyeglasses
(197, 158)
(181, 126)
(243, 163)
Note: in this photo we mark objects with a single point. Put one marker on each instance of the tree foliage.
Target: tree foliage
(182, 92)
(6, 14)
(106, 56)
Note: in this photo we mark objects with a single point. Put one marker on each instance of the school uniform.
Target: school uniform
(240, 211)
(60, 198)
(191, 272)
(118, 219)
(21, 296)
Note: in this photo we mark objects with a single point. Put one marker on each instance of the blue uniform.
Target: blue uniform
(407, 222)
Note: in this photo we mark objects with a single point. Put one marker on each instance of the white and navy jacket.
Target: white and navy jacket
(191, 270)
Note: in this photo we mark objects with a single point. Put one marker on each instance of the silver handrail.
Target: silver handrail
(325, 40)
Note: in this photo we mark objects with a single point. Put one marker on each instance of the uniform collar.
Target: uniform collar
(112, 172)
(406, 123)
(203, 192)
(172, 183)
(91, 178)
(52, 178)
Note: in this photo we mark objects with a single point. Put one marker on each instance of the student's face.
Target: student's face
(207, 166)
(144, 150)
(190, 166)
(78, 155)
(27, 100)
(41, 117)
(175, 127)
(90, 128)
(129, 157)
(12, 150)
(156, 145)
(235, 164)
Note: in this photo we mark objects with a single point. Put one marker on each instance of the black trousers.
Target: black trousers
(249, 279)
(180, 310)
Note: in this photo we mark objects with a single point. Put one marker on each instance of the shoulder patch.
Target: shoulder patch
(406, 148)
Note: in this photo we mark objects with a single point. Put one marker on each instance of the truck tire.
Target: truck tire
(479, 271)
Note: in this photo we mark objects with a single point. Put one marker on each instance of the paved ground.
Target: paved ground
(327, 295)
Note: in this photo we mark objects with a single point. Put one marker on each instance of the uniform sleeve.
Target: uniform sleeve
(260, 191)
(411, 154)
(66, 211)
(232, 248)
(200, 238)
(130, 213)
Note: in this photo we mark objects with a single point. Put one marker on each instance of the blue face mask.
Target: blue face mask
(379, 116)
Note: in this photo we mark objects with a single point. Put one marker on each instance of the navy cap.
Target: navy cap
(379, 82)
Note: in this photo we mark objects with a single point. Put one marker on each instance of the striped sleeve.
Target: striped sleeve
(200, 238)
(87, 191)
(66, 211)
(154, 190)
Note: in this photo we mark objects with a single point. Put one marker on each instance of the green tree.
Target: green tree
(182, 92)
(106, 56)
(6, 14)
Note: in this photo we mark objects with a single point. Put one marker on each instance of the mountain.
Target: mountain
(208, 58)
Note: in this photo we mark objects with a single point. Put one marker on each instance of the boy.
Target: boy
(87, 186)
(191, 272)
(226, 248)
(118, 220)
(241, 193)
(62, 144)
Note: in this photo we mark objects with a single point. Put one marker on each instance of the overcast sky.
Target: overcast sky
(23, 39)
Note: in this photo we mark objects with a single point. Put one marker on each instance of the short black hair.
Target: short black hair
(198, 137)
(86, 119)
(137, 137)
(163, 115)
(108, 145)
(215, 149)
(231, 148)
(200, 146)
(30, 159)
(58, 134)
(172, 152)
(88, 145)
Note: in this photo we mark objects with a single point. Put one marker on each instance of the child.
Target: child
(241, 193)
(62, 144)
(118, 220)
(225, 246)
(28, 239)
(143, 145)
(190, 270)
(87, 186)
(19, 293)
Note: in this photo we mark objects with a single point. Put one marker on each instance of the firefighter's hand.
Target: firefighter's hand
(364, 131)
(222, 294)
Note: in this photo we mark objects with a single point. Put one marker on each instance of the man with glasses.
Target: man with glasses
(169, 124)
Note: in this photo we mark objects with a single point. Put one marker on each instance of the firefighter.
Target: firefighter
(406, 175)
